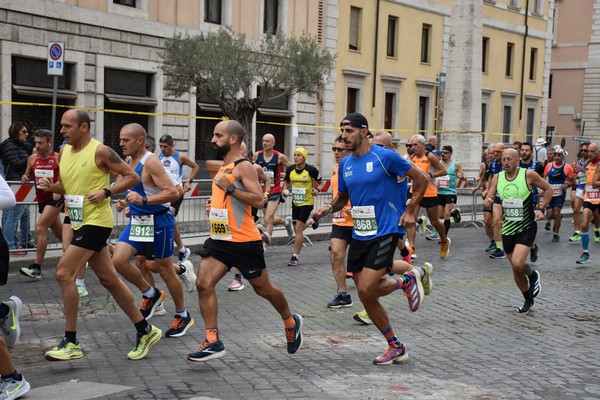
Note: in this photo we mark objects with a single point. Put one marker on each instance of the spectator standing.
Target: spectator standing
(14, 153)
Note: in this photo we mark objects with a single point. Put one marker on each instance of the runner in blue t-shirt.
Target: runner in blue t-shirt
(368, 178)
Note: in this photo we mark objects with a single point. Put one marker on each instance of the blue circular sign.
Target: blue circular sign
(55, 51)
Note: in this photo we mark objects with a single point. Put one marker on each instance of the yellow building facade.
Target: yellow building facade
(391, 55)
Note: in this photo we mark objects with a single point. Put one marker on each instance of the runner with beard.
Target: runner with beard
(235, 242)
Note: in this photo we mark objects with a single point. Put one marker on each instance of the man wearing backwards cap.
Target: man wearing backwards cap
(369, 179)
(300, 181)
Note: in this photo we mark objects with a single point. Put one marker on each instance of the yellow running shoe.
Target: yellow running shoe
(64, 351)
(143, 344)
(427, 278)
(362, 317)
(445, 248)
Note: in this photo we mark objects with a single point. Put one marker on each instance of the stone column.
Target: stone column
(462, 96)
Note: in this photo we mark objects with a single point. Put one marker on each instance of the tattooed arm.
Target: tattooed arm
(107, 160)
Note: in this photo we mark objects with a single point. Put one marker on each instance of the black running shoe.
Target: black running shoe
(535, 287)
(315, 223)
(533, 254)
(528, 305)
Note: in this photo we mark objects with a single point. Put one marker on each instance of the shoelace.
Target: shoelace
(177, 321)
(146, 303)
(204, 345)
(390, 349)
(290, 334)
(409, 292)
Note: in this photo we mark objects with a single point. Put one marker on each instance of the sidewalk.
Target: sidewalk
(466, 342)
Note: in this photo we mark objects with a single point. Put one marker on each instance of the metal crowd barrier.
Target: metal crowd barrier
(192, 220)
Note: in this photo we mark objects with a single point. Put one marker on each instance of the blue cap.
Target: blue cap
(437, 152)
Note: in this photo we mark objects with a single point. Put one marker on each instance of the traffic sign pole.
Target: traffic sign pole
(56, 56)
(54, 100)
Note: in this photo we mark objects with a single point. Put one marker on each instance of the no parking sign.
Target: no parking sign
(56, 55)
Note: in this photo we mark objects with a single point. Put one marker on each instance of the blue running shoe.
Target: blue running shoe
(208, 351)
(340, 301)
(585, 257)
(294, 335)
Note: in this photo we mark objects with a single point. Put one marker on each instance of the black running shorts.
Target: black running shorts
(248, 257)
(375, 254)
(91, 237)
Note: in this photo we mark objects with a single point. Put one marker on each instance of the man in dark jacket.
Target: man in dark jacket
(14, 154)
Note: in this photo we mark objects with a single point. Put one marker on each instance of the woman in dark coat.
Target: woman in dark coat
(14, 153)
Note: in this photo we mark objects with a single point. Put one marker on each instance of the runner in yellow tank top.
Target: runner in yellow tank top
(236, 243)
(85, 164)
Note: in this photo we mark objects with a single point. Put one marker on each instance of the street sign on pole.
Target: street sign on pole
(56, 55)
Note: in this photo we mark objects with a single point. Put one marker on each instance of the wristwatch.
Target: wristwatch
(107, 193)
(230, 189)
(144, 200)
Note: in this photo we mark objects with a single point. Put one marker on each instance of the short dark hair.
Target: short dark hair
(235, 128)
(44, 133)
(15, 128)
(168, 139)
(150, 142)
(339, 139)
(83, 118)
(527, 144)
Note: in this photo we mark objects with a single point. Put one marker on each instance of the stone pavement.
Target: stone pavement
(466, 342)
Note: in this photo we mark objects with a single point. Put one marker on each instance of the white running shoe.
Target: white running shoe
(160, 310)
(189, 276)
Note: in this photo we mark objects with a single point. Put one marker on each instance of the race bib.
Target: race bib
(74, 204)
(338, 216)
(219, 224)
(142, 228)
(271, 175)
(365, 223)
(581, 179)
(443, 181)
(299, 195)
(557, 190)
(513, 209)
(43, 173)
(592, 194)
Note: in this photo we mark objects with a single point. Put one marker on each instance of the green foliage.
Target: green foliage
(222, 67)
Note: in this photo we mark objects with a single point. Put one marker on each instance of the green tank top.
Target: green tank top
(517, 203)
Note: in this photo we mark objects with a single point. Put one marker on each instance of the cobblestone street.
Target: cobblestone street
(466, 342)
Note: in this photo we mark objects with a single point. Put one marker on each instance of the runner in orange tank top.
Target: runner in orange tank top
(425, 161)
(591, 200)
(235, 242)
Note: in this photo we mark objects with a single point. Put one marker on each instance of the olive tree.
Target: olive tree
(222, 66)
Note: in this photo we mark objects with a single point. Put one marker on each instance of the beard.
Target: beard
(351, 146)
(222, 151)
